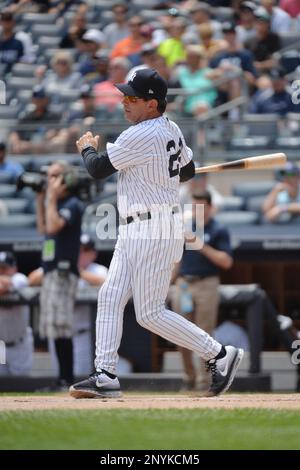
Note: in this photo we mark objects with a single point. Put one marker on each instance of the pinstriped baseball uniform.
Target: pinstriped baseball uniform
(148, 156)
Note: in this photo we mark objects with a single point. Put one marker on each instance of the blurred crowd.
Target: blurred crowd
(60, 60)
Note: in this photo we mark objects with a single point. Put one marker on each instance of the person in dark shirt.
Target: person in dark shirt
(265, 43)
(198, 277)
(38, 136)
(11, 49)
(59, 217)
(277, 99)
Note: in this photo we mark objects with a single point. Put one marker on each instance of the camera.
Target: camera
(78, 182)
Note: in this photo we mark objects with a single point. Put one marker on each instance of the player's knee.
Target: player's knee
(146, 318)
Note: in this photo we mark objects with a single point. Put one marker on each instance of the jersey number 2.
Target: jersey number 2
(174, 158)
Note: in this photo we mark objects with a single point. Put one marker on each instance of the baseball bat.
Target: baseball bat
(251, 163)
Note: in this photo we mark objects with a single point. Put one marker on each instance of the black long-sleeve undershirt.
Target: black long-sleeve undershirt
(98, 165)
(187, 172)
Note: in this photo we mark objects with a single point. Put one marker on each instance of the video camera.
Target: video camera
(77, 180)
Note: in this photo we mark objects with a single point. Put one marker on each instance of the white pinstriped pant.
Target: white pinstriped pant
(142, 268)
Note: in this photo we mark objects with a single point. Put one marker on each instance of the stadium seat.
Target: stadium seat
(290, 38)
(254, 203)
(7, 191)
(16, 84)
(18, 221)
(49, 30)
(252, 188)
(232, 203)
(5, 178)
(48, 42)
(9, 112)
(23, 70)
(16, 206)
(29, 19)
(234, 218)
(223, 14)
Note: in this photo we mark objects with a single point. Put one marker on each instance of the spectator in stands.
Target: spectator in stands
(11, 168)
(292, 7)
(59, 215)
(91, 43)
(276, 99)
(194, 78)
(14, 320)
(173, 83)
(148, 58)
(198, 274)
(246, 29)
(41, 138)
(117, 30)
(91, 274)
(82, 114)
(200, 13)
(106, 94)
(173, 48)
(210, 45)
(11, 48)
(132, 43)
(283, 202)
(61, 78)
(29, 6)
(233, 60)
(265, 43)
(75, 32)
(281, 21)
(199, 185)
(29, 49)
(100, 72)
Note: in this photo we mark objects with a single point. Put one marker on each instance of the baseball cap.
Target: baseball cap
(93, 35)
(228, 27)
(39, 92)
(262, 15)
(248, 6)
(87, 241)
(290, 169)
(7, 258)
(86, 91)
(277, 73)
(145, 83)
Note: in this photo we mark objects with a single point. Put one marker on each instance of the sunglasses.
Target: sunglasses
(131, 99)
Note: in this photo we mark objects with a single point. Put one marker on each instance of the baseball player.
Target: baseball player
(152, 158)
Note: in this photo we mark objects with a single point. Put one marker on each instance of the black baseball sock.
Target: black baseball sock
(64, 352)
(221, 354)
(111, 376)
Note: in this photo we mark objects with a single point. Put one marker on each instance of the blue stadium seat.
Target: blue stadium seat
(234, 218)
(5, 178)
(232, 203)
(254, 203)
(18, 221)
(252, 188)
(7, 191)
(16, 206)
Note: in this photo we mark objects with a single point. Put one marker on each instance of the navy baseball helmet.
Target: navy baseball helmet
(145, 83)
(7, 258)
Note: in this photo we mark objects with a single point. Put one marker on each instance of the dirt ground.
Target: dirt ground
(148, 401)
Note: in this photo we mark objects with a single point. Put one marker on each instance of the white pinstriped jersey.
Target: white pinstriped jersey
(149, 156)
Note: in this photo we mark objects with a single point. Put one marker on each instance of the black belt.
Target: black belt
(14, 343)
(142, 216)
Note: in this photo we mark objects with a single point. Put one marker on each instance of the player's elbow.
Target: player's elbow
(187, 172)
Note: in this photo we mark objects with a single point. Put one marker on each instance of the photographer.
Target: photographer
(59, 216)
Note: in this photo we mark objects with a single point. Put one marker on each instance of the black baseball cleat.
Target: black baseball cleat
(97, 385)
(223, 370)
